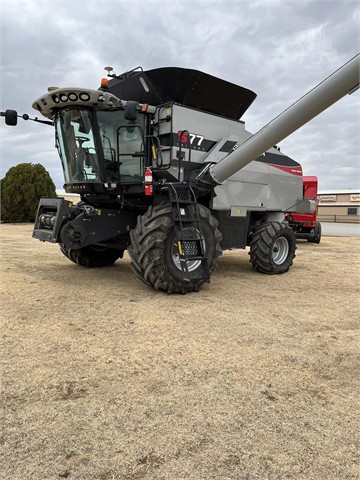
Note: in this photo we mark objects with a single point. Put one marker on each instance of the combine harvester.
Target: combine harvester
(167, 171)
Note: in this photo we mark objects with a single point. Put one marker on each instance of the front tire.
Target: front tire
(272, 248)
(92, 256)
(154, 253)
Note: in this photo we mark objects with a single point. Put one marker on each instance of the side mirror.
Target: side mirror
(131, 110)
(11, 117)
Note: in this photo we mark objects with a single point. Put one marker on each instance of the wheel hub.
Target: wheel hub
(280, 250)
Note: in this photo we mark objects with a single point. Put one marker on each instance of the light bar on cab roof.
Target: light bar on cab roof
(63, 97)
(66, 97)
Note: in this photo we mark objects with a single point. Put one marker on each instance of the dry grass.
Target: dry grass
(255, 377)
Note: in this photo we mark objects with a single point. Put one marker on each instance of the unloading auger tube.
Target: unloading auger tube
(343, 81)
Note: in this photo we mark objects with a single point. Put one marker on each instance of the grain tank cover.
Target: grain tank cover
(188, 87)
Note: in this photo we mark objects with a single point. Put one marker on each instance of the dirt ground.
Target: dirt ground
(254, 377)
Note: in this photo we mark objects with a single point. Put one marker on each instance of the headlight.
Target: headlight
(85, 97)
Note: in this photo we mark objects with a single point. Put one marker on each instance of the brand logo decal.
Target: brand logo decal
(193, 141)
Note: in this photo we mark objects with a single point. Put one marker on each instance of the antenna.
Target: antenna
(110, 69)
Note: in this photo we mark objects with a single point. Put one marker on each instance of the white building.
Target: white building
(339, 205)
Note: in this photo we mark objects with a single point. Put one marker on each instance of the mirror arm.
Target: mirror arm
(25, 116)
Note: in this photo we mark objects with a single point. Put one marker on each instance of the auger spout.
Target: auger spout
(343, 81)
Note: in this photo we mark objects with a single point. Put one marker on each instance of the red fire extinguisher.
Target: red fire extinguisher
(148, 181)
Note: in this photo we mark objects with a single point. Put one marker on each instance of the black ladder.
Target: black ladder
(189, 239)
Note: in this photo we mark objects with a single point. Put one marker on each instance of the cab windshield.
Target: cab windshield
(75, 142)
(120, 146)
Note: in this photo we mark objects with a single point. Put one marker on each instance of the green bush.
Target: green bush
(21, 189)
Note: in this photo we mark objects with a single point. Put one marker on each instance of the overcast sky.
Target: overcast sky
(279, 49)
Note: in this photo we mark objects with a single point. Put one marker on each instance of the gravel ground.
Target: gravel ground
(254, 377)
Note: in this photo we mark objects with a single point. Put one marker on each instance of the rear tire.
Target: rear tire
(153, 249)
(272, 248)
(92, 256)
(317, 234)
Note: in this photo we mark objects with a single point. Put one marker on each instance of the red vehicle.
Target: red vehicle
(305, 225)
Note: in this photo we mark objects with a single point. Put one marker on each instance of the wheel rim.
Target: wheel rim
(187, 246)
(280, 250)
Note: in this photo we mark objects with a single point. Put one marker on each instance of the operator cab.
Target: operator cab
(100, 146)
(100, 138)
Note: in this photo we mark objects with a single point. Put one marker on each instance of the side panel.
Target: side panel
(272, 182)
(234, 229)
(86, 230)
(259, 187)
(203, 132)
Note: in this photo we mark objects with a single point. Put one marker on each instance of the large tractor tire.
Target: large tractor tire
(317, 235)
(155, 255)
(272, 248)
(92, 256)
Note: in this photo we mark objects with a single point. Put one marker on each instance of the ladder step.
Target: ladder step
(181, 235)
(181, 193)
(191, 258)
(191, 247)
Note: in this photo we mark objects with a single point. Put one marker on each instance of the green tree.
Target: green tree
(21, 189)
